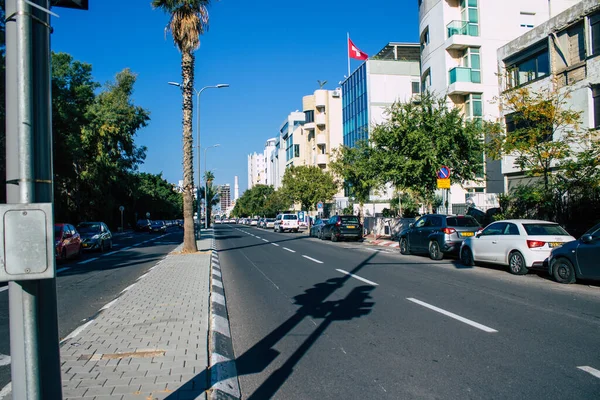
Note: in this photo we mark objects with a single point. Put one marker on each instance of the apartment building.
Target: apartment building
(225, 197)
(564, 51)
(459, 41)
(285, 147)
(259, 165)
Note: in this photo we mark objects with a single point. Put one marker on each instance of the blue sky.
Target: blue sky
(271, 52)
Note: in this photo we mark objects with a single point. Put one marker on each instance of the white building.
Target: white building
(459, 43)
(278, 155)
(564, 51)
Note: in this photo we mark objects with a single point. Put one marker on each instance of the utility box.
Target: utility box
(27, 242)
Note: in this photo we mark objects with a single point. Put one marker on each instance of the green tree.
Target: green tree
(188, 20)
(153, 194)
(418, 138)
(212, 195)
(308, 185)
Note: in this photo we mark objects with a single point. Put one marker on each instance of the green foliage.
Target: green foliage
(261, 200)
(211, 194)
(153, 194)
(308, 185)
(354, 165)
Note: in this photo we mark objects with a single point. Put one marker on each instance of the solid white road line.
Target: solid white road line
(275, 244)
(87, 261)
(452, 315)
(108, 305)
(58, 271)
(590, 370)
(126, 248)
(358, 277)
(265, 240)
(4, 359)
(312, 259)
(78, 330)
(290, 250)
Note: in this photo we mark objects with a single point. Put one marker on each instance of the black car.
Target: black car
(95, 236)
(577, 259)
(341, 227)
(437, 234)
(315, 229)
(158, 227)
(143, 225)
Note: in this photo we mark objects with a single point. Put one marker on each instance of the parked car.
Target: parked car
(286, 222)
(341, 227)
(67, 242)
(143, 225)
(437, 234)
(158, 227)
(261, 222)
(269, 223)
(315, 229)
(95, 236)
(578, 259)
(519, 244)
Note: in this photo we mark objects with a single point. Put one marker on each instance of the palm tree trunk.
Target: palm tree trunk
(187, 73)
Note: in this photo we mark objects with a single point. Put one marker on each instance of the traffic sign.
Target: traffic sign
(121, 208)
(320, 205)
(443, 173)
(147, 215)
(443, 183)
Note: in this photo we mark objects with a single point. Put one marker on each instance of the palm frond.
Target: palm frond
(188, 20)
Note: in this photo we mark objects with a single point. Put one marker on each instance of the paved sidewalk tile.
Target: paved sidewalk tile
(150, 342)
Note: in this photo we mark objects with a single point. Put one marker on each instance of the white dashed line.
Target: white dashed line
(452, 315)
(258, 237)
(275, 244)
(265, 240)
(58, 271)
(590, 370)
(312, 259)
(358, 277)
(290, 250)
(88, 261)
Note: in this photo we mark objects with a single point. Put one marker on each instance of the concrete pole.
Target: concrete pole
(35, 368)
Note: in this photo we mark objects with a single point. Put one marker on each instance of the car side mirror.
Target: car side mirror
(411, 225)
(478, 233)
(587, 238)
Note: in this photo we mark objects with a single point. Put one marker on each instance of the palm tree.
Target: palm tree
(188, 20)
(213, 199)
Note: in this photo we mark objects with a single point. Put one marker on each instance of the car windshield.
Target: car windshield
(462, 222)
(88, 228)
(57, 231)
(270, 219)
(350, 220)
(544, 230)
(290, 217)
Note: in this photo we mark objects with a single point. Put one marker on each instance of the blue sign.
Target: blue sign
(320, 205)
(301, 215)
(443, 173)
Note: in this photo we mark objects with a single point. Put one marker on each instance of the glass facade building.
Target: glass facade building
(355, 107)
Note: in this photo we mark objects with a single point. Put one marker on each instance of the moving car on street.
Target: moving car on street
(520, 244)
(437, 234)
(158, 227)
(579, 259)
(340, 227)
(95, 236)
(67, 242)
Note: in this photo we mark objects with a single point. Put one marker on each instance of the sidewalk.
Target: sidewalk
(149, 343)
(385, 242)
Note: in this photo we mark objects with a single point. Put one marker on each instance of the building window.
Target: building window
(474, 106)
(596, 105)
(528, 67)
(416, 88)
(425, 38)
(527, 19)
(296, 150)
(309, 116)
(426, 81)
(470, 14)
(472, 60)
(595, 33)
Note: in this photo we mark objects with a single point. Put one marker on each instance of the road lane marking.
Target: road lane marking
(112, 252)
(88, 261)
(312, 259)
(275, 244)
(360, 278)
(4, 360)
(452, 315)
(137, 244)
(590, 370)
(265, 240)
(258, 237)
(78, 330)
(290, 250)
(126, 248)
(108, 305)
(58, 271)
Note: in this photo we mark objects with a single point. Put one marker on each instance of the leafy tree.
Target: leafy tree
(308, 185)
(212, 195)
(188, 20)
(155, 195)
(417, 139)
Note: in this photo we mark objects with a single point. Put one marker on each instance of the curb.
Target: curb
(224, 383)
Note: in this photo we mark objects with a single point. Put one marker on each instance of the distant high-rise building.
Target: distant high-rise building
(259, 167)
(225, 196)
(236, 188)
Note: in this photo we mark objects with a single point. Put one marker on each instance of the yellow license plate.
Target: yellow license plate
(351, 227)
(467, 234)
(555, 244)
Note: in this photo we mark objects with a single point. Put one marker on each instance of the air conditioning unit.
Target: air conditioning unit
(336, 93)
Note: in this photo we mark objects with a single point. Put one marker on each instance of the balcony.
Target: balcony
(464, 80)
(309, 126)
(462, 34)
(321, 139)
(320, 98)
(322, 159)
(320, 119)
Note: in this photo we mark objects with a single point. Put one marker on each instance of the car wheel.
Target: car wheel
(466, 257)
(563, 271)
(295, 230)
(333, 237)
(404, 249)
(102, 246)
(111, 245)
(516, 263)
(435, 253)
(321, 235)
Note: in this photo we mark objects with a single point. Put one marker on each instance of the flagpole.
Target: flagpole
(348, 51)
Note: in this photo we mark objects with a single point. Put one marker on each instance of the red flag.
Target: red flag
(355, 52)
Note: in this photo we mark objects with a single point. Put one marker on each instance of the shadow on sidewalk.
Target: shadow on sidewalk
(312, 303)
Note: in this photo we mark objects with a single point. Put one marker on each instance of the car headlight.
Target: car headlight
(95, 237)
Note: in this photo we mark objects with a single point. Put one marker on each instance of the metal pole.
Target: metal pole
(205, 193)
(198, 145)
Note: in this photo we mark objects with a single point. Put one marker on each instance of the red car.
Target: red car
(67, 242)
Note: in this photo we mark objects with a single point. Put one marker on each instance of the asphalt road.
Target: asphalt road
(84, 286)
(400, 327)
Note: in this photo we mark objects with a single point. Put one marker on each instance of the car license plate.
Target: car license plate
(465, 234)
(555, 244)
(351, 227)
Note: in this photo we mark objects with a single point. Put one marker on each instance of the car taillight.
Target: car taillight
(535, 243)
(448, 231)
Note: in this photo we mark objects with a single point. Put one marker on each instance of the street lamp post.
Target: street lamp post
(206, 188)
(198, 92)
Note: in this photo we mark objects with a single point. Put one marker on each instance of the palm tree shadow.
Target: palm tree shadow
(312, 304)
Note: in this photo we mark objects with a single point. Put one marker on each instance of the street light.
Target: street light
(206, 188)
(198, 92)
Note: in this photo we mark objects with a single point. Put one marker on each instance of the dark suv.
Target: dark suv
(341, 227)
(437, 234)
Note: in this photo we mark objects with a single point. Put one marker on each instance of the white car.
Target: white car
(519, 244)
(286, 222)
